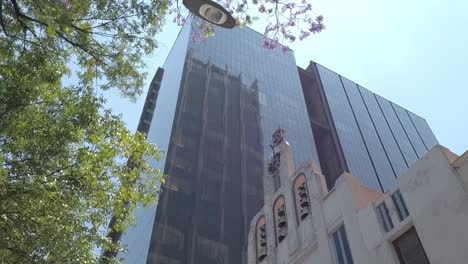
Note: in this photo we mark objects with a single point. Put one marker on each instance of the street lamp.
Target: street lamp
(211, 12)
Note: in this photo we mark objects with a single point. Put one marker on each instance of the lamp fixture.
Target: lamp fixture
(211, 12)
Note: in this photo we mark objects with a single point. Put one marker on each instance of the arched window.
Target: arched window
(301, 197)
(260, 238)
(281, 225)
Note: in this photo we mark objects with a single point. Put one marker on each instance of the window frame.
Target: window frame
(275, 218)
(384, 217)
(343, 255)
(296, 202)
(400, 205)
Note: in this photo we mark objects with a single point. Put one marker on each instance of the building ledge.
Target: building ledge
(399, 229)
(461, 161)
(299, 256)
(451, 157)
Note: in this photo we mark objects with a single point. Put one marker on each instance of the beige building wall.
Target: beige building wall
(436, 196)
(434, 190)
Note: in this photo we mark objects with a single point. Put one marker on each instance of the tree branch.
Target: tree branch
(2, 23)
(19, 14)
(20, 253)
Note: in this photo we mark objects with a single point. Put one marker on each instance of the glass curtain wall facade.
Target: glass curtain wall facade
(138, 238)
(218, 104)
(374, 139)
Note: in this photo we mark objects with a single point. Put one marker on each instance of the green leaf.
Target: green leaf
(51, 31)
(209, 34)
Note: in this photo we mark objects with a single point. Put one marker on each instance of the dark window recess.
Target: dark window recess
(400, 205)
(276, 181)
(409, 248)
(343, 252)
(330, 154)
(385, 217)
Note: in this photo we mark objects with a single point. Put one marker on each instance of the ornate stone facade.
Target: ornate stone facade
(303, 222)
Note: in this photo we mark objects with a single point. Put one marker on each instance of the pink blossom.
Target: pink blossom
(303, 35)
(261, 9)
(316, 27)
(270, 43)
(66, 3)
(240, 8)
(198, 37)
(297, 21)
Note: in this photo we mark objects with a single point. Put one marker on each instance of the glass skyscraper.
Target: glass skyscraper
(217, 106)
(361, 132)
(212, 110)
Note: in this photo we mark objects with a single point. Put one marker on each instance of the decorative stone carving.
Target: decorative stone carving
(278, 136)
(262, 250)
(274, 165)
(281, 222)
(301, 196)
(303, 201)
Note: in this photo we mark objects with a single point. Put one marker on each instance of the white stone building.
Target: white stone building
(424, 220)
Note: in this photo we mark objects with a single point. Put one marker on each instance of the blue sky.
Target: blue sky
(414, 53)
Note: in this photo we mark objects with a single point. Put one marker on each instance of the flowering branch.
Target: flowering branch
(287, 20)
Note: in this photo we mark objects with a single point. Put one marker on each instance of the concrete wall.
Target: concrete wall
(438, 204)
(461, 168)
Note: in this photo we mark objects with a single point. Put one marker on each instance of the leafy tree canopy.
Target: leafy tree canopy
(63, 156)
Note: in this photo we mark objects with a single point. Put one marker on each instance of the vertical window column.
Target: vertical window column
(384, 216)
(342, 250)
(400, 205)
